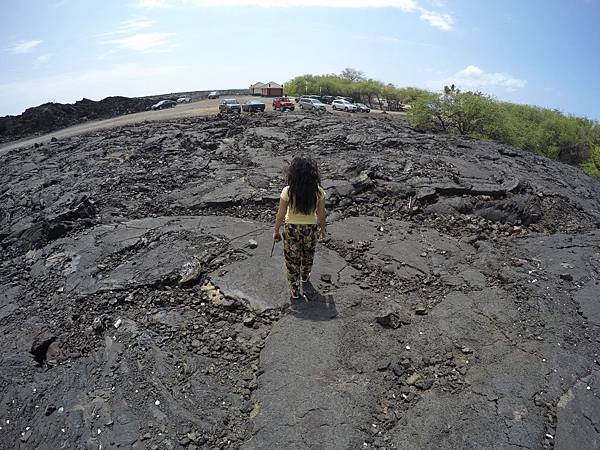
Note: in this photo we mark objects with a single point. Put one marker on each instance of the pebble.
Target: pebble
(389, 269)
(97, 325)
(252, 243)
(25, 436)
(326, 278)
(566, 276)
(424, 384)
(420, 311)
(413, 379)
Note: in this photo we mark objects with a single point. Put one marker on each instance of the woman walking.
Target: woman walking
(302, 207)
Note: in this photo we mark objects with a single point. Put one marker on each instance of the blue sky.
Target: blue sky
(542, 52)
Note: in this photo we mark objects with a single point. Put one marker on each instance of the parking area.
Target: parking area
(202, 107)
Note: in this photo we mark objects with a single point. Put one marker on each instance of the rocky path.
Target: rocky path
(455, 304)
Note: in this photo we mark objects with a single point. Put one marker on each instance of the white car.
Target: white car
(343, 105)
(184, 100)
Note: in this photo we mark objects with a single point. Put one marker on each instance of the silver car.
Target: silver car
(312, 104)
(343, 105)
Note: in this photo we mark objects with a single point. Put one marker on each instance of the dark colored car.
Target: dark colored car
(163, 104)
(253, 106)
(229, 105)
(361, 107)
(283, 103)
(328, 99)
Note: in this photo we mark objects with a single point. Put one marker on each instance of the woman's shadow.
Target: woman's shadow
(313, 305)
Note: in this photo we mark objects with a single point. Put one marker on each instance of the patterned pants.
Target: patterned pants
(299, 242)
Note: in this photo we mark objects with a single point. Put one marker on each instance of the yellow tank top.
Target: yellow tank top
(295, 217)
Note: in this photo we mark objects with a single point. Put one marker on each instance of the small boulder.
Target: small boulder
(413, 379)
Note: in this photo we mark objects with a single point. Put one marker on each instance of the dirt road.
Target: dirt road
(198, 108)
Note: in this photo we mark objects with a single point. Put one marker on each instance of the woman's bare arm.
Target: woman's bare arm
(321, 218)
(279, 219)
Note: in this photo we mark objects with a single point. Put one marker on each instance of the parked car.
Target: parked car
(253, 106)
(312, 104)
(283, 103)
(348, 99)
(328, 99)
(228, 105)
(213, 94)
(316, 97)
(343, 105)
(184, 100)
(163, 104)
(361, 107)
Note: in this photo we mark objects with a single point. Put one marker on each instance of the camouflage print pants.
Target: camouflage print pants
(299, 242)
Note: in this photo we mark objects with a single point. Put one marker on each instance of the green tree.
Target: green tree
(543, 131)
(352, 75)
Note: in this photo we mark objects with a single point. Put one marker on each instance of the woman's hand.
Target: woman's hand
(276, 236)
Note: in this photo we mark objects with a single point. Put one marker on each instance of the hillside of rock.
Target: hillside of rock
(454, 305)
(55, 116)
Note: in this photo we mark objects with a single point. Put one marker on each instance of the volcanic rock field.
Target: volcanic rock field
(454, 305)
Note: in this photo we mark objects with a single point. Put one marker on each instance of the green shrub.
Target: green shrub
(352, 83)
(592, 165)
(538, 130)
(465, 113)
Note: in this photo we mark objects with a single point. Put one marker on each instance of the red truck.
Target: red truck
(283, 103)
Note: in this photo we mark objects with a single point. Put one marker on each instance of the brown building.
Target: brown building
(255, 89)
(271, 89)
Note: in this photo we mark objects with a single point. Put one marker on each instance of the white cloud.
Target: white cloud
(22, 47)
(391, 40)
(473, 77)
(133, 25)
(442, 21)
(438, 3)
(143, 42)
(405, 5)
(153, 3)
(45, 57)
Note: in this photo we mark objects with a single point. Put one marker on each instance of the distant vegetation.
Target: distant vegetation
(547, 132)
(352, 83)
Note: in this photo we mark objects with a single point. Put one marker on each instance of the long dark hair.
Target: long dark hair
(304, 180)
